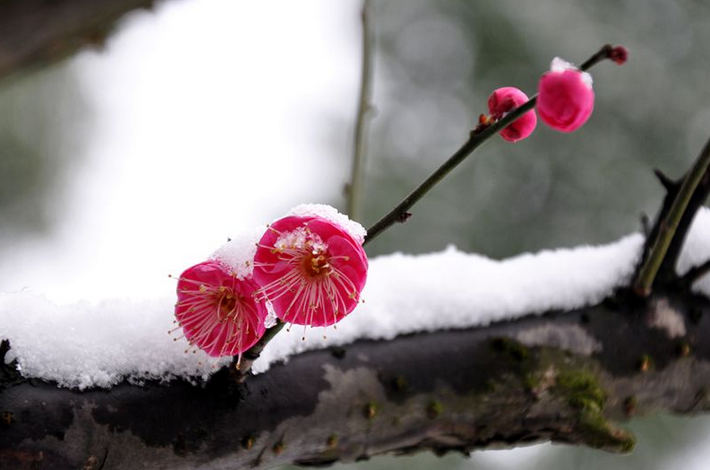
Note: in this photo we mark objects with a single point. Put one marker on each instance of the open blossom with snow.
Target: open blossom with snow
(311, 268)
(502, 101)
(217, 310)
(565, 96)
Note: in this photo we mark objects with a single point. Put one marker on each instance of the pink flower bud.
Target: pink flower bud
(311, 270)
(565, 97)
(619, 54)
(217, 310)
(502, 101)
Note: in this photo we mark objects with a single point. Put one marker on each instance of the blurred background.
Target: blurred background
(121, 165)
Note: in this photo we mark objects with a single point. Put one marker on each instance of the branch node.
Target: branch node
(403, 217)
(645, 224)
(665, 180)
(8, 370)
(694, 274)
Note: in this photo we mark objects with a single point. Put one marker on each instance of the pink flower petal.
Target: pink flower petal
(502, 101)
(565, 99)
(217, 311)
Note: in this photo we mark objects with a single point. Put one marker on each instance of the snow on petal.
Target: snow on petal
(330, 213)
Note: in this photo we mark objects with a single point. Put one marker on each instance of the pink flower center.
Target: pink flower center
(315, 264)
(304, 247)
(228, 303)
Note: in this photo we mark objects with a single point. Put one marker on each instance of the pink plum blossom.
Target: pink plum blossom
(565, 97)
(501, 102)
(311, 269)
(217, 310)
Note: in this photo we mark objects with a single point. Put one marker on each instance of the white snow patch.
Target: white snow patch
(666, 318)
(696, 249)
(85, 344)
(271, 319)
(331, 214)
(566, 337)
(238, 253)
(560, 65)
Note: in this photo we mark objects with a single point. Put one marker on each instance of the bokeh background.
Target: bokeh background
(121, 165)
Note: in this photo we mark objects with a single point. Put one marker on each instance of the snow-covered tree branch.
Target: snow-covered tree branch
(458, 352)
(561, 376)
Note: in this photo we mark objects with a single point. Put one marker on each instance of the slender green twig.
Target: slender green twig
(364, 111)
(667, 228)
(400, 212)
(241, 370)
(695, 273)
(476, 138)
(602, 54)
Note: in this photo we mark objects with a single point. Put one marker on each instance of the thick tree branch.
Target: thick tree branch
(561, 377)
(34, 33)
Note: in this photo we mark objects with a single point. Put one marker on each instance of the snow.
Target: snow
(238, 253)
(99, 344)
(560, 65)
(84, 344)
(331, 214)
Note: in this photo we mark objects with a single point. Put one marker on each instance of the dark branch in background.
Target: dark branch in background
(477, 137)
(34, 33)
(364, 112)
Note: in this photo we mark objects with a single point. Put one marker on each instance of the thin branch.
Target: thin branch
(695, 273)
(666, 181)
(606, 52)
(477, 137)
(645, 224)
(364, 112)
(241, 370)
(669, 224)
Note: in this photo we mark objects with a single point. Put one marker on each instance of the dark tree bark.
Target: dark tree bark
(34, 33)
